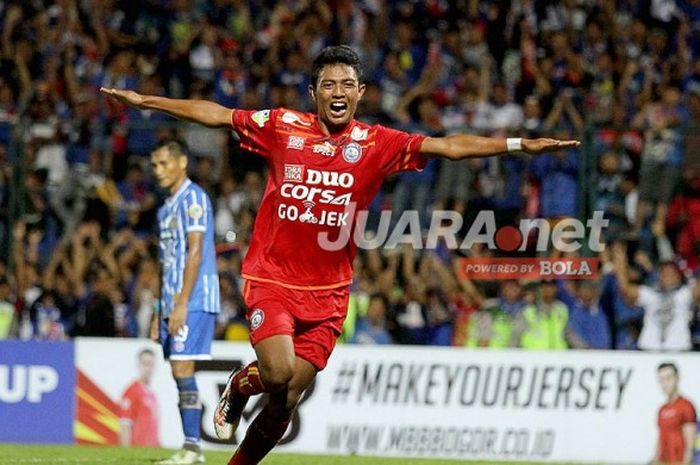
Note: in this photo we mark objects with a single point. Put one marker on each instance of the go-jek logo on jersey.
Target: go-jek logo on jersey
(313, 187)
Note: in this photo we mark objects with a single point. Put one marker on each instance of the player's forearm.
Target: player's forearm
(460, 146)
(689, 434)
(194, 258)
(623, 283)
(199, 111)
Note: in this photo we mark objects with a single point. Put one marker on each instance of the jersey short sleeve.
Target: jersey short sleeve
(689, 415)
(195, 211)
(401, 150)
(256, 130)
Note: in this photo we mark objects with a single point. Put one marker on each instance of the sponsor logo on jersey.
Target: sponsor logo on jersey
(352, 152)
(326, 149)
(314, 187)
(256, 319)
(290, 118)
(358, 134)
(293, 173)
(314, 194)
(295, 142)
(329, 178)
(261, 117)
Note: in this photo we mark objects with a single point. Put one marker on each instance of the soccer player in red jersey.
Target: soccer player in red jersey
(139, 416)
(676, 420)
(322, 167)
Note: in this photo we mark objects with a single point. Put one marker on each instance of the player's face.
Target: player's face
(336, 95)
(669, 277)
(170, 170)
(511, 291)
(147, 365)
(549, 292)
(668, 379)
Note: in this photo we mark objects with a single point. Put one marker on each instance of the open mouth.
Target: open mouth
(338, 109)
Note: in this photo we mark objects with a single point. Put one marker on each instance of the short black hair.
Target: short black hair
(338, 54)
(174, 148)
(381, 297)
(670, 365)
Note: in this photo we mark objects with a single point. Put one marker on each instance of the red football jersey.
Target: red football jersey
(672, 417)
(140, 407)
(316, 184)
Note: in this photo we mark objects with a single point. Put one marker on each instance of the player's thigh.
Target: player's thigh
(271, 329)
(317, 331)
(193, 341)
(315, 343)
(276, 360)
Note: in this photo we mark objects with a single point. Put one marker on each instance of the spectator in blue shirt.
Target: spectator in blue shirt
(558, 175)
(371, 329)
(587, 320)
(628, 319)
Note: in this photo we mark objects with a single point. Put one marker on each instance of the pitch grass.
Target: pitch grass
(15, 454)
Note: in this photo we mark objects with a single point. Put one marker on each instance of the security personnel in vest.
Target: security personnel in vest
(543, 325)
(493, 325)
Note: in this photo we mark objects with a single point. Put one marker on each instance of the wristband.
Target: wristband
(514, 144)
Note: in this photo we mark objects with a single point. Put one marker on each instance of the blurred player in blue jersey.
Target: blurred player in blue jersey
(189, 298)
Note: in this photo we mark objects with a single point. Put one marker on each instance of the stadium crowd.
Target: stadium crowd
(78, 201)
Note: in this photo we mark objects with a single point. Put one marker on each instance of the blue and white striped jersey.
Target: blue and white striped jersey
(188, 210)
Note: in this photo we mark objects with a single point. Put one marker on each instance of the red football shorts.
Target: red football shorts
(314, 318)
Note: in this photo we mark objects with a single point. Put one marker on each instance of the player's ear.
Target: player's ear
(182, 162)
(361, 91)
(312, 93)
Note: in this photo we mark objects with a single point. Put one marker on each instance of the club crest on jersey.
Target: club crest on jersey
(293, 173)
(352, 152)
(257, 319)
(261, 117)
(326, 149)
(358, 134)
(195, 211)
(296, 143)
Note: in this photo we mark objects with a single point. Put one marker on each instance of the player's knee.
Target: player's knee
(276, 374)
(182, 369)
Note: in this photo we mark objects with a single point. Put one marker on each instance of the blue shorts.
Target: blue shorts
(193, 342)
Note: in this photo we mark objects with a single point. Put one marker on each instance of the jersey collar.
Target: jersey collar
(173, 198)
(339, 138)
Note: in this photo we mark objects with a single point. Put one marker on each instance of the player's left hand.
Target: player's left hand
(542, 145)
(127, 97)
(177, 317)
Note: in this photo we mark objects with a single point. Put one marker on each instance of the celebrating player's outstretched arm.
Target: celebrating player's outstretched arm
(459, 146)
(204, 112)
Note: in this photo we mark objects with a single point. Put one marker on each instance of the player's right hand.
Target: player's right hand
(128, 97)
